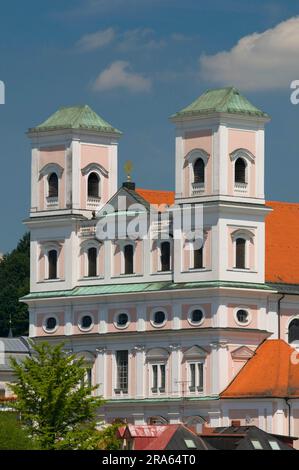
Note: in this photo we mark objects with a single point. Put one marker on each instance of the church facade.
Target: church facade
(173, 329)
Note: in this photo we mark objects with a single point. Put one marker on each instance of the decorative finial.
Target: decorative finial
(128, 167)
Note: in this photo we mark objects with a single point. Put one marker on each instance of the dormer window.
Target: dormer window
(53, 186)
(93, 186)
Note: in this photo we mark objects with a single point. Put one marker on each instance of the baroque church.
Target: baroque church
(172, 331)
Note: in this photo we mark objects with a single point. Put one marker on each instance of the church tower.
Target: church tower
(74, 173)
(220, 165)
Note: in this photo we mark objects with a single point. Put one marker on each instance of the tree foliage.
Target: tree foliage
(54, 399)
(14, 283)
(12, 434)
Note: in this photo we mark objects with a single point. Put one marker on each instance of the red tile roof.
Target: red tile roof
(154, 196)
(282, 243)
(271, 372)
(282, 236)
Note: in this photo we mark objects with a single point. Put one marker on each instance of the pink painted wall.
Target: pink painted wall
(40, 317)
(167, 325)
(253, 309)
(198, 140)
(78, 314)
(208, 315)
(133, 317)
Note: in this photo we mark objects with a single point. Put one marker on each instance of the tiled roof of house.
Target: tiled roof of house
(282, 243)
(75, 117)
(271, 372)
(221, 100)
(157, 197)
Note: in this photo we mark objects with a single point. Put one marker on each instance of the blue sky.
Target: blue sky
(136, 62)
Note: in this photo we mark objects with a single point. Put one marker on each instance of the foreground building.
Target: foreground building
(166, 326)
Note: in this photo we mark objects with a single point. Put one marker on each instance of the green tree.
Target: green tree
(54, 399)
(12, 434)
(107, 439)
(14, 283)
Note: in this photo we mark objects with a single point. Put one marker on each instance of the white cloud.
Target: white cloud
(118, 75)
(260, 61)
(96, 40)
(140, 38)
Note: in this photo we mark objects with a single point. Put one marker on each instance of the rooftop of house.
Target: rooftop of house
(237, 437)
(13, 347)
(271, 372)
(163, 437)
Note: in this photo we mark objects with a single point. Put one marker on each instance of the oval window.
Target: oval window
(51, 323)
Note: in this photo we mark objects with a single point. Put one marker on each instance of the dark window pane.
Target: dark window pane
(122, 319)
(155, 378)
(240, 171)
(128, 254)
(92, 262)
(196, 316)
(240, 253)
(163, 377)
(159, 318)
(192, 377)
(200, 377)
(294, 330)
(198, 258)
(242, 316)
(165, 256)
(53, 185)
(52, 258)
(93, 185)
(122, 370)
(51, 323)
(199, 171)
(86, 321)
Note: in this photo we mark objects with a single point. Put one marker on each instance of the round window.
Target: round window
(51, 323)
(86, 322)
(159, 317)
(122, 320)
(196, 316)
(242, 316)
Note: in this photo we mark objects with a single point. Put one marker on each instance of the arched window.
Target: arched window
(294, 330)
(92, 261)
(199, 171)
(53, 185)
(198, 258)
(52, 260)
(129, 259)
(240, 253)
(240, 170)
(93, 186)
(165, 256)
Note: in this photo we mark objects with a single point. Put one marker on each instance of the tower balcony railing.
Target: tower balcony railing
(52, 202)
(197, 188)
(241, 187)
(93, 202)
